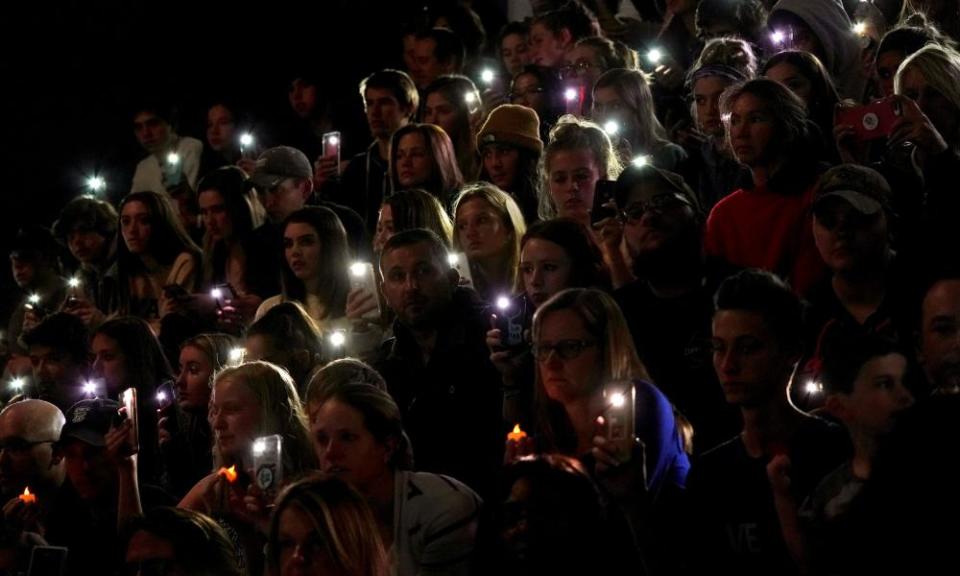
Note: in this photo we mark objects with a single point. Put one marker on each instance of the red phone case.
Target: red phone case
(875, 120)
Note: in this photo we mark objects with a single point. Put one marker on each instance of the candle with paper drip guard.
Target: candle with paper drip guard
(517, 434)
(28, 497)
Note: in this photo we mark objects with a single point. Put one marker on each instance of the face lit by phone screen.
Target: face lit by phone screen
(136, 227)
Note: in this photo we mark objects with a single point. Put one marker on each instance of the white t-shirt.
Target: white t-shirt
(151, 175)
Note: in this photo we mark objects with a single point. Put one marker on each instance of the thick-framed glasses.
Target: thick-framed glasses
(565, 349)
(516, 95)
(661, 202)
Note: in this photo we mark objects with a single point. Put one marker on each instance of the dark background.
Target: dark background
(72, 72)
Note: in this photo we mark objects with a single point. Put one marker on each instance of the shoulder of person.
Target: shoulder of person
(190, 145)
(439, 503)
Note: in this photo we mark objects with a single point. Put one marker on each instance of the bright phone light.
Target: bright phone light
(259, 447)
(655, 55)
(338, 339)
(503, 302)
(617, 400)
(611, 127)
(487, 76)
(246, 139)
(358, 268)
(640, 161)
(96, 183)
(173, 158)
(570, 94)
(73, 282)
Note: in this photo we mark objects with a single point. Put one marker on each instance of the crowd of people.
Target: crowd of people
(655, 287)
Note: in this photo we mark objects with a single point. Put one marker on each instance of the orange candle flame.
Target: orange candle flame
(229, 473)
(517, 434)
(27, 497)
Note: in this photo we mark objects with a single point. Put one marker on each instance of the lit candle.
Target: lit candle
(517, 434)
(229, 473)
(27, 497)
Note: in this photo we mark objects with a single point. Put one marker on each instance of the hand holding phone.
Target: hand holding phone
(128, 401)
(869, 122)
(362, 277)
(509, 317)
(331, 148)
(619, 419)
(268, 464)
(458, 261)
(604, 201)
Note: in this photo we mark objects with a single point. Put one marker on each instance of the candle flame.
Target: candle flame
(28, 497)
(229, 473)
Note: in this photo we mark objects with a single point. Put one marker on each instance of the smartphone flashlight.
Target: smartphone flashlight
(358, 268)
(96, 184)
(216, 293)
(18, 383)
(654, 55)
(338, 339)
(236, 355)
(161, 397)
(778, 37)
(813, 387)
(246, 139)
(259, 447)
(73, 282)
(503, 303)
(611, 127)
(34, 299)
(453, 259)
(641, 161)
(617, 399)
(487, 76)
(90, 388)
(570, 94)
(860, 28)
(173, 158)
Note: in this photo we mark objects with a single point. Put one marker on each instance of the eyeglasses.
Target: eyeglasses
(659, 203)
(574, 70)
(565, 349)
(525, 93)
(19, 445)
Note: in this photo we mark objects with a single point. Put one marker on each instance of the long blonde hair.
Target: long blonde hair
(280, 413)
(940, 67)
(569, 134)
(510, 214)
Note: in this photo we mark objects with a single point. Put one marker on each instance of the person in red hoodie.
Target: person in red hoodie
(768, 225)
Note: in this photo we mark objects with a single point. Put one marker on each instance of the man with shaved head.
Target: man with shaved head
(29, 430)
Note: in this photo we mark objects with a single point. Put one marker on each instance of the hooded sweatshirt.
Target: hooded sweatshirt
(841, 50)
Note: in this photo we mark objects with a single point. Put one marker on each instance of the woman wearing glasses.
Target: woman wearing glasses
(554, 255)
(539, 89)
(581, 344)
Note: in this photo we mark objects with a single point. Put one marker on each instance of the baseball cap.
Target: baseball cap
(864, 188)
(277, 164)
(89, 420)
